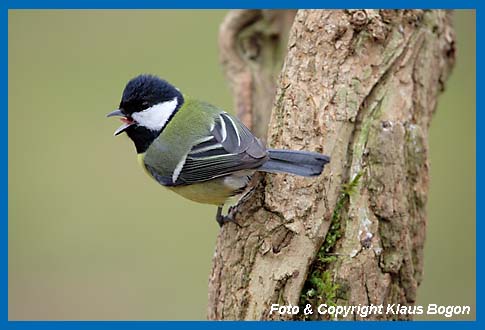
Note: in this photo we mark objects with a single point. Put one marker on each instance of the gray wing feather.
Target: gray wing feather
(228, 148)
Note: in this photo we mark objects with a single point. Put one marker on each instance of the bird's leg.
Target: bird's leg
(222, 219)
(219, 216)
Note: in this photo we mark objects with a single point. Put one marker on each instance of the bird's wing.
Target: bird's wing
(228, 147)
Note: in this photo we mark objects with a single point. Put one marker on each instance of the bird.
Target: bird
(196, 149)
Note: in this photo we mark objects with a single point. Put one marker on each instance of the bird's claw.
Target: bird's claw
(222, 219)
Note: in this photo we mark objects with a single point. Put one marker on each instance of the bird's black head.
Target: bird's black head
(147, 105)
(146, 91)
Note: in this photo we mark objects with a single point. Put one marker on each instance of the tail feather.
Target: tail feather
(303, 163)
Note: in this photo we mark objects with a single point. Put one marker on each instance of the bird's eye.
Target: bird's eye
(145, 103)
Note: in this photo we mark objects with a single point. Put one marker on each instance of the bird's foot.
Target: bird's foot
(222, 219)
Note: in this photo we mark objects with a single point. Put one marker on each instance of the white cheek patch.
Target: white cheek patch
(155, 117)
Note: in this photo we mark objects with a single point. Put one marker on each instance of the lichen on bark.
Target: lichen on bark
(360, 86)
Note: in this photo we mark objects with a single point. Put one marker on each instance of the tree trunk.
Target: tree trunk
(252, 45)
(360, 86)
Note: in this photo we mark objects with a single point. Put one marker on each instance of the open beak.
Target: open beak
(127, 122)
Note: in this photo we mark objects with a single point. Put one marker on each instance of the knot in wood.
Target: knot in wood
(359, 18)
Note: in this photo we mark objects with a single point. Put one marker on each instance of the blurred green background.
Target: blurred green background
(92, 237)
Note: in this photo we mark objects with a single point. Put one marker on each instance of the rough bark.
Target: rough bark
(360, 86)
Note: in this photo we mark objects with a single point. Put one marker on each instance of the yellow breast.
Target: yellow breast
(139, 158)
(210, 192)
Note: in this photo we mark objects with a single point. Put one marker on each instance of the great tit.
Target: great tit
(196, 149)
